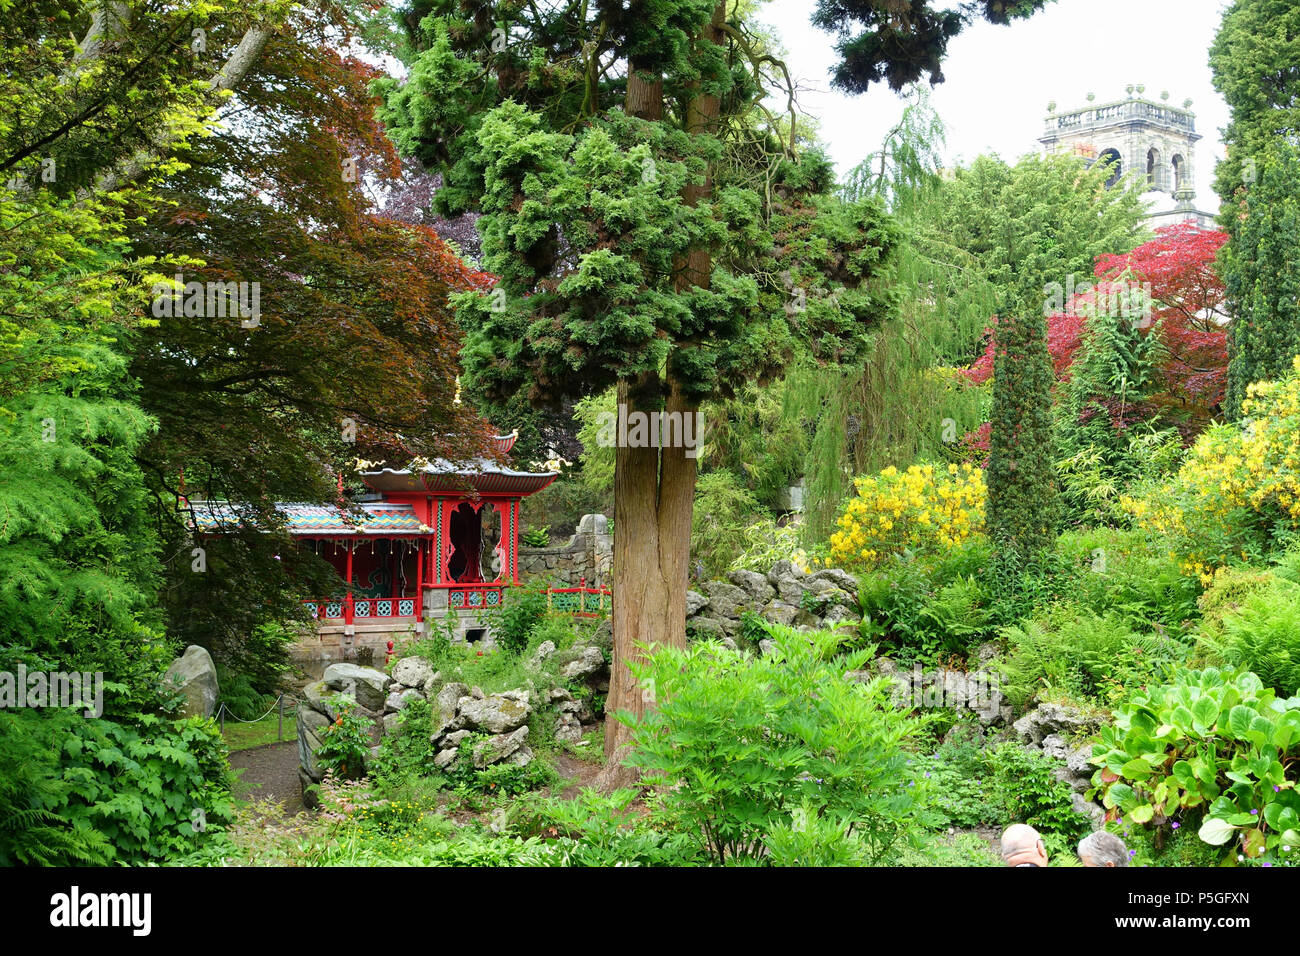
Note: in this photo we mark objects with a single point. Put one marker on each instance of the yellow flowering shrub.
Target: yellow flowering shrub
(923, 509)
(1238, 489)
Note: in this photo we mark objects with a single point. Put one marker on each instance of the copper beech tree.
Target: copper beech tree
(653, 228)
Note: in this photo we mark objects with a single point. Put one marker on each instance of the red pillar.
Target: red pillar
(419, 580)
(347, 605)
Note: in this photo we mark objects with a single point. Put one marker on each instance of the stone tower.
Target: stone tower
(1143, 138)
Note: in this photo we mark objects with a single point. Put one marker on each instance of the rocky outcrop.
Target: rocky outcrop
(786, 595)
(195, 676)
(1061, 732)
(366, 685)
(977, 691)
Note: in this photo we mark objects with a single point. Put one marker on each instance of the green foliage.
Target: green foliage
(722, 513)
(1023, 507)
(1081, 654)
(1262, 635)
(1094, 477)
(405, 750)
(753, 740)
(595, 829)
(536, 537)
(926, 608)
(345, 743)
(973, 781)
(100, 792)
(1253, 61)
(1261, 269)
(519, 617)
(1212, 748)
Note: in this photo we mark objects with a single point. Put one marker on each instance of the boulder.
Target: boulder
(837, 613)
(726, 600)
(311, 729)
(544, 650)
(318, 696)
(494, 715)
(767, 647)
(695, 603)
(778, 612)
(1062, 720)
(412, 671)
(395, 702)
(195, 676)
(445, 706)
(704, 628)
(498, 748)
(837, 577)
(369, 686)
(754, 584)
(589, 661)
(445, 758)
(568, 728)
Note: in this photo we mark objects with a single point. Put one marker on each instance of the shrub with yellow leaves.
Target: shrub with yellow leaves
(1238, 490)
(923, 509)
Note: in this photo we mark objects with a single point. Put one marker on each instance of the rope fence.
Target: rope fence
(276, 708)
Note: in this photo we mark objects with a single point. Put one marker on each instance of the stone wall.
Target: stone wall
(588, 554)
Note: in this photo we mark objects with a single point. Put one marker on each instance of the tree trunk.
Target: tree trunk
(654, 488)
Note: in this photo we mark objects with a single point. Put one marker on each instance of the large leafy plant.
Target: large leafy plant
(1214, 746)
(759, 753)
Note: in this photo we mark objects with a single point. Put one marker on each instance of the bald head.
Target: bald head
(1022, 845)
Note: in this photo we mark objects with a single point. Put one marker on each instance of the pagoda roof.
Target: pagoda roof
(379, 518)
(442, 477)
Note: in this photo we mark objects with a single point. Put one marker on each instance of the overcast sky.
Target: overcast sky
(999, 80)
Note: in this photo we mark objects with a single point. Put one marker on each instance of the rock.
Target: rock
(391, 723)
(987, 652)
(311, 727)
(857, 677)
(705, 628)
(454, 738)
(783, 569)
(754, 584)
(1054, 719)
(544, 650)
(568, 729)
(310, 798)
(779, 612)
(396, 702)
(837, 577)
(589, 662)
(559, 693)
(412, 671)
(494, 715)
(318, 696)
(726, 600)
(593, 524)
(498, 748)
(369, 686)
(195, 676)
(1088, 809)
(806, 620)
(477, 693)
(521, 757)
(695, 603)
(767, 647)
(445, 758)
(837, 613)
(445, 706)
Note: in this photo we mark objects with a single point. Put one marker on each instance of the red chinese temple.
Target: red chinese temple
(438, 538)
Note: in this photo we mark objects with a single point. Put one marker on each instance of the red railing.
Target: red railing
(475, 597)
(351, 609)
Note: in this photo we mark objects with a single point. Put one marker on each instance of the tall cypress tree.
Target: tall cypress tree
(1262, 276)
